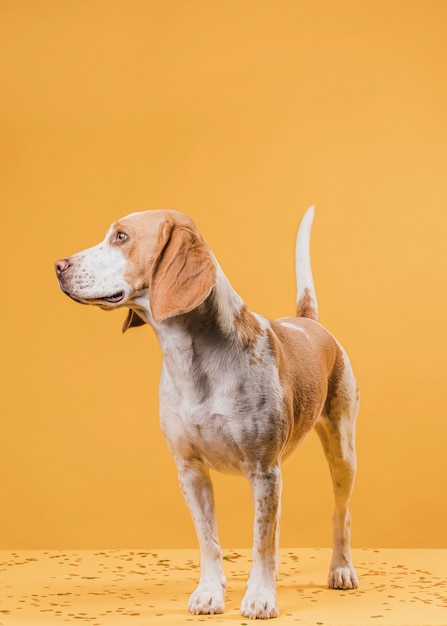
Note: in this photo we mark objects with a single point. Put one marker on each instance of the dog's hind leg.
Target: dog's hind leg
(197, 488)
(336, 429)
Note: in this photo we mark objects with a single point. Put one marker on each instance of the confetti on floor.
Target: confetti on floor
(135, 587)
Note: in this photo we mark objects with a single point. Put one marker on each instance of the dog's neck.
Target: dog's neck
(221, 320)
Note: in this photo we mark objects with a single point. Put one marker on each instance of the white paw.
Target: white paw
(207, 599)
(343, 578)
(260, 605)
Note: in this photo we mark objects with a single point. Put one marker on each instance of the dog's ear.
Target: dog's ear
(132, 320)
(183, 275)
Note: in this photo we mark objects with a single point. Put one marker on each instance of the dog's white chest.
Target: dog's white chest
(226, 423)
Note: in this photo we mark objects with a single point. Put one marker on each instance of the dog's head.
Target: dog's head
(155, 257)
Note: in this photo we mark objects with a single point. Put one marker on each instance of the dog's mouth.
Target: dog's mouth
(114, 298)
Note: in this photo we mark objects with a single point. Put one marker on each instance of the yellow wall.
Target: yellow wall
(241, 114)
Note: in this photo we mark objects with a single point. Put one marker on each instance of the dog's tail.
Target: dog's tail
(306, 303)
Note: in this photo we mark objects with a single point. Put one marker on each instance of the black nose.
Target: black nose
(62, 266)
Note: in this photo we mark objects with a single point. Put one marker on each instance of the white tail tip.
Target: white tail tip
(306, 297)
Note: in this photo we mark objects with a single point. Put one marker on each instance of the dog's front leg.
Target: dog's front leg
(260, 598)
(197, 489)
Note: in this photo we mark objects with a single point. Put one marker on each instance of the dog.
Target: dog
(237, 392)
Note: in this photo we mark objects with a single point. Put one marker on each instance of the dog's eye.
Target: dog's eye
(121, 237)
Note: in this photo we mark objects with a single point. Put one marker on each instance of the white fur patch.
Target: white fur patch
(97, 272)
(263, 322)
(293, 327)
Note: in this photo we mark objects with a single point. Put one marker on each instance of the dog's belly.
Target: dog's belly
(224, 442)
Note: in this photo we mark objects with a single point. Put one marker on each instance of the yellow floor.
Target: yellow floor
(135, 587)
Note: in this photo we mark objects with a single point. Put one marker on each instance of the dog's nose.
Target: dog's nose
(62, 266)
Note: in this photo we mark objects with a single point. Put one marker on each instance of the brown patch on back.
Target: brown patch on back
(306, 306)
(247, 327)
(305, 362)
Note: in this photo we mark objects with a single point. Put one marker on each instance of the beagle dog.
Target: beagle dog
(238, 392)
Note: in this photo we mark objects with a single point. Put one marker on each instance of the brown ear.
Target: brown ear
(132, 320)
(183, 275)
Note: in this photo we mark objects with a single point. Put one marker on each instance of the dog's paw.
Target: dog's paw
(343, 578)
(207, 600)
(260, 604)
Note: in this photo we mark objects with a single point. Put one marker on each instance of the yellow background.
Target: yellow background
(241, 114)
